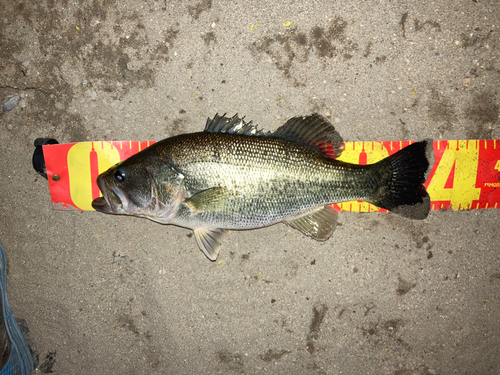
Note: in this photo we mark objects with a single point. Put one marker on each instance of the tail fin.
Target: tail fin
(402, 176)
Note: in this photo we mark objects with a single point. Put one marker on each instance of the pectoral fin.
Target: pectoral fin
(210, 200)
(209, 240)
(318, 224)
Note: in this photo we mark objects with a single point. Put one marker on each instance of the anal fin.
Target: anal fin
(318, 224)
(209, 240)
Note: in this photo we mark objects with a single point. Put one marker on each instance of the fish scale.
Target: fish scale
(269, 179)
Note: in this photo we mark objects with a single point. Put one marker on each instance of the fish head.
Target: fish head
(136, 189)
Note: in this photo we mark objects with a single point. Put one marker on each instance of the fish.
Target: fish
(234, 176)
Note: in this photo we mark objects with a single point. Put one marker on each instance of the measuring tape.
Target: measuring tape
(465, 175)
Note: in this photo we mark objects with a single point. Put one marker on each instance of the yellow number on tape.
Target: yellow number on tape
(79, 169)
(464, 189)
(497, 166)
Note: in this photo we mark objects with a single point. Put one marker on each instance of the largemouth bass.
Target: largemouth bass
(234, 176)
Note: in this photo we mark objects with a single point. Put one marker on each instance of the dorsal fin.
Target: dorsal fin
(313, 130)
(233, 125)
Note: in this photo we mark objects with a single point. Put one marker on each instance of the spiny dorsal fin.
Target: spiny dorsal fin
(313, 130)
(318, 224)
(233, 125)
(209, 240)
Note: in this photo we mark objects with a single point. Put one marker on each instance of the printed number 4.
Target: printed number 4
(497, 166)
(464, 190)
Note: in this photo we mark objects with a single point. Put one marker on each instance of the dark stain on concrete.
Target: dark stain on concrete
(475, 38)
(387, 327)
(368, 49)
(402, 23)
(176, 127)
(322, 42)
(337, 29)
(317, 105)
(369, 307)
(161, 51)
(379, 333)
(322, 39)
(404, 287)
(404, 129)
(232, 361)
(47, 364)
(315, 326)
(442, 111)
(483, 112)
(419, 26)
(273, 355)
(295, 46)
(392, 325)
(126, 321)
(284, 49)
(196, 10)
(209, 38)
(419, 240)
(403, 371)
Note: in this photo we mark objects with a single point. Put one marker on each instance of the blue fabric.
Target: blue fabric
(20, 361)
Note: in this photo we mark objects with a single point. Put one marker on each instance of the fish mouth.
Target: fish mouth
(101, 204)
(112, 200)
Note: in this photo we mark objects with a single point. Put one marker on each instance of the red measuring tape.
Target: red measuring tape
(465, 175)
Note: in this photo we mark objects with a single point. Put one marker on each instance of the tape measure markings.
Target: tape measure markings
(462, 177)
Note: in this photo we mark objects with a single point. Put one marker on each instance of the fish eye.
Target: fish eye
(119, 175)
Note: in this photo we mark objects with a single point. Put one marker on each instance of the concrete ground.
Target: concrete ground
(121, 295)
